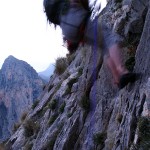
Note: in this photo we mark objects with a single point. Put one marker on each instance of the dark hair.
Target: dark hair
(53, 9)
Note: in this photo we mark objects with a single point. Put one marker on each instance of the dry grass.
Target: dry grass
(35, 103)
(30, 127)
(23, 116)
(60, 65)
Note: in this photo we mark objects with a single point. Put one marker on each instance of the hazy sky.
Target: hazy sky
(25, 34)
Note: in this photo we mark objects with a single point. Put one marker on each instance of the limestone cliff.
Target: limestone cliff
(81, 109)
(19, 87)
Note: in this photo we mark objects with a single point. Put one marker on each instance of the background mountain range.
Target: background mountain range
(47, 73)
(20, 86)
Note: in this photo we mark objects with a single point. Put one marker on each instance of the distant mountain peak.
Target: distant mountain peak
(20, 86)
(11, 58)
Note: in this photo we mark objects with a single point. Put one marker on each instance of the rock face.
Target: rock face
(81, 109)
(19, 87)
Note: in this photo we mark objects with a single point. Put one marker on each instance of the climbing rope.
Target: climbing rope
(93, 102)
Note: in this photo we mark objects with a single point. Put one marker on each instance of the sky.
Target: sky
(25, 34)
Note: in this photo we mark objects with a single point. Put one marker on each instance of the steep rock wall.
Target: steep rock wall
(81, 109)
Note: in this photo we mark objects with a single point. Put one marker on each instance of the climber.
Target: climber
(73, 17)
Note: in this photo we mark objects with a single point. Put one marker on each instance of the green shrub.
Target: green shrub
(50, 87)
(51, 142)
(99, 138)
(62, 106)
(68, 91)
(85, 103)
(31, 127)
(52, 119)
(52, 105)
(69, 114)
(58, 87)
(118, 1)
(60, 66)
(71, 82)
(144, 132)
(35, 103)
(144, 127)
(69, 86)
(80, 71)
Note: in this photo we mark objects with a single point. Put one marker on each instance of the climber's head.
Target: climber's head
(53, 9)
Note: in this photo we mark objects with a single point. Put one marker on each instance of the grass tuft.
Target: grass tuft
(52, 119)
(85, 103)
(69, 114)
(50, 87)
(61, 108)
(31, 127)
(35, 103)
(99, 138)
(71, 82)
(143, 127)
(80, 71)
(52, 105)
(60, 66)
